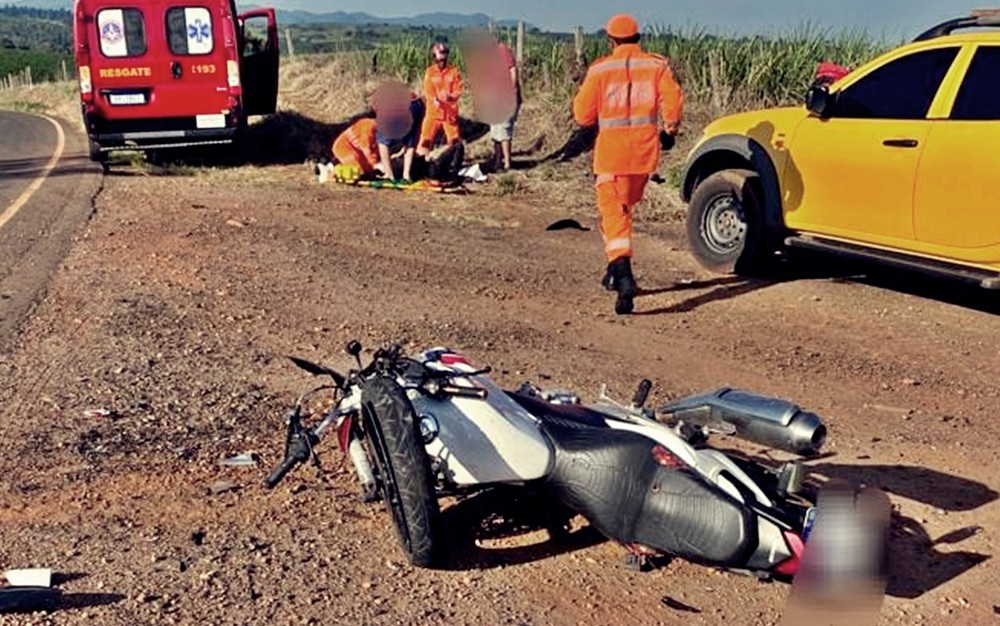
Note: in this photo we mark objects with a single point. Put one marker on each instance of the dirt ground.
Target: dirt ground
(159, 350)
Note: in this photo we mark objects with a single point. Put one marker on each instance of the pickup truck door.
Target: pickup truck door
(955, 203)
(851, 174)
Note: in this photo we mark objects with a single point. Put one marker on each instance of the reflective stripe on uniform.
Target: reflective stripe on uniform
(642, 120)
(620, 64)
(614, 245)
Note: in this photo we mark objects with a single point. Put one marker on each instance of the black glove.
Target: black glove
(666, 141)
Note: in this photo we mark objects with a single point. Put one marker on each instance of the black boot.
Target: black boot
(608, 282)
(620, 272)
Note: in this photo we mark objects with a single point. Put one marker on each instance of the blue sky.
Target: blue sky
(893, 18)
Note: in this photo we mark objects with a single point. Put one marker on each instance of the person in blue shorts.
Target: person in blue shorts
(391, 149)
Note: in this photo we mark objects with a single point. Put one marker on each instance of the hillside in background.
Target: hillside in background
(66, 5)
(432, 20)
(428, 20)
(48, 30)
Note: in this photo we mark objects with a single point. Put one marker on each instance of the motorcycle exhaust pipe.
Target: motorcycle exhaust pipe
(764, 420)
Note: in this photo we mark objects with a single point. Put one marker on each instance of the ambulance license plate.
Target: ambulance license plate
(119, 99)
(210, 121)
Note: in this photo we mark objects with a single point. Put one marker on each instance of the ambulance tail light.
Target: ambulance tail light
(233, 75)
(86, 85)
(232, 56)
(81, 51)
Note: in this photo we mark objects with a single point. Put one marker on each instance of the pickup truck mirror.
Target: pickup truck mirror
(819, 101)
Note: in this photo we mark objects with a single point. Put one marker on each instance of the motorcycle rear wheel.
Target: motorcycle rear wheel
(403, 469)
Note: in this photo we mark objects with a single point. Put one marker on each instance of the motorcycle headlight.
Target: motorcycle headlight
(429, 428)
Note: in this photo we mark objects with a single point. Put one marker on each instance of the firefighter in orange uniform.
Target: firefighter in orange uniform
(358, 146)
(626, 95)
(442, 88)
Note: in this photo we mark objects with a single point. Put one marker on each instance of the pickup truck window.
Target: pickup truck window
(902, 89)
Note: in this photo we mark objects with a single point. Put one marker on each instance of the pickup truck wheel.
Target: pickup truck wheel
(725, 227)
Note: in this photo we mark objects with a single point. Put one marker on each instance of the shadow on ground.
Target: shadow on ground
(51, 599)
(285, 138)
(916, 566)
(808, 266)
(722, 288)
(813, 265)
(510, 526)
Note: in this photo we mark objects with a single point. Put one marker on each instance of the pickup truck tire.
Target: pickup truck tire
(725, 227)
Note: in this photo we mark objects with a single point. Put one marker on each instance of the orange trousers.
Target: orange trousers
(617, 196)
(429, 131)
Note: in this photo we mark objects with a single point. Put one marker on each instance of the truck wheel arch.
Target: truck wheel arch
(738, 152)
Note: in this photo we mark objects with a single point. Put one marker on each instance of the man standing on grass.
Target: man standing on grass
(502, 133)
(626, 95)
(496, 91)
(442, 89)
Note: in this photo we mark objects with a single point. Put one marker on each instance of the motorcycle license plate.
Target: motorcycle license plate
(808, 524)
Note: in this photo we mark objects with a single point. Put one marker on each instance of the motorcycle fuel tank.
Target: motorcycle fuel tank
(478, 442)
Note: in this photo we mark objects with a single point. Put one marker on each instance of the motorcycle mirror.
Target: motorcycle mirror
(642, 393)
(354, 349)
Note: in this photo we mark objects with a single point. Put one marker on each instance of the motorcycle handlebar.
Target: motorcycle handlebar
(279, 472)
(298, 452)
(464, 392)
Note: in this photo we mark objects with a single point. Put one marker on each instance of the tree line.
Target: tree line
(29, 28)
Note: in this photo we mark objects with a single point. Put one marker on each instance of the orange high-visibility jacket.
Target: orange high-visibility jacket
(359, 137)
(442, 89)
(626, 95)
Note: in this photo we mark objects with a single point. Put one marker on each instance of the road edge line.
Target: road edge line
(9, 213)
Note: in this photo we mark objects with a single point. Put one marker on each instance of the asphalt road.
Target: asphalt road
(47, 187)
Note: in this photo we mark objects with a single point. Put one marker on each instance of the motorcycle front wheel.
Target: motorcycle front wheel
(403, 469)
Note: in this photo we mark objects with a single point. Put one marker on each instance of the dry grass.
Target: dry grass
(57, 99)
(320, 94)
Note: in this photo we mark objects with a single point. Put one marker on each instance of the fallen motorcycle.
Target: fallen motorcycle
(418, 428)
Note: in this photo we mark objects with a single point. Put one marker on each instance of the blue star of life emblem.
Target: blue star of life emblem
(199, 31)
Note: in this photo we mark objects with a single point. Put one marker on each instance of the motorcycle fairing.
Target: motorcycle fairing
(484, 442)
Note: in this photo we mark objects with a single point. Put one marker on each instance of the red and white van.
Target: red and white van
(169, 73)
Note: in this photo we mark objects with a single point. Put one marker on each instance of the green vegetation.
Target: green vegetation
(729, 71)
(37, 38)
(760, 70)
(507, 184)
(45, 66)
(26, 28)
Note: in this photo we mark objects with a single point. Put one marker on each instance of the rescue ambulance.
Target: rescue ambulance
(170, 73)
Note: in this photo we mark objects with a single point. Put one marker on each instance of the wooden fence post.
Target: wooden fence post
(291, 45)
(27, 71)
(578, 45)
(520, 43)
(65, 72)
